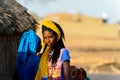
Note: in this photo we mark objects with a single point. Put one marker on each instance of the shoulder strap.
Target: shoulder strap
(61, 51)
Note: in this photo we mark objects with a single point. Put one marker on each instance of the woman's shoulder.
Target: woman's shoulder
(65, 54)
(64, 50)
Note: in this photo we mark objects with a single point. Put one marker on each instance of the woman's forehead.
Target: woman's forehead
(48, 33)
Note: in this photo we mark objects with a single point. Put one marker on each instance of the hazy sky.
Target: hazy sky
(95, 8)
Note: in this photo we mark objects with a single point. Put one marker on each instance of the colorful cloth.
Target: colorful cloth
(56, 70)
(43, 65)
(77, 74)
(27, 60)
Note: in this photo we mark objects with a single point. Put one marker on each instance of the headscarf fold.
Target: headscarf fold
(43, 65)
(28, 45)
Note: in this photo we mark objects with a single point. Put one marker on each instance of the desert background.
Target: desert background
(93, 44)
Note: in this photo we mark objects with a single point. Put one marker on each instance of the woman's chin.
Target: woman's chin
(49, 45)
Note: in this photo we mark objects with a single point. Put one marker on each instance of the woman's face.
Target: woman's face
(49, 38)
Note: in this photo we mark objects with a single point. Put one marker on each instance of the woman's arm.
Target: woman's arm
(67, 70)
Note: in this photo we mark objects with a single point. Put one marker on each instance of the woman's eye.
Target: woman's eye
(51, 37)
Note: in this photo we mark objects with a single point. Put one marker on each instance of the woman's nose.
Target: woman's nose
(47, 40)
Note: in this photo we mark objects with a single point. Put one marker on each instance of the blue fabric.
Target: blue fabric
(28, 45)
(65, 56)
(27, 60)
(27, 71)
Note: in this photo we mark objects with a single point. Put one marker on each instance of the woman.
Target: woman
(55, 60)
(27, 59)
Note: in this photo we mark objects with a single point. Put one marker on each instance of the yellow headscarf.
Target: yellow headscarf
(43, 65)
(51, 25)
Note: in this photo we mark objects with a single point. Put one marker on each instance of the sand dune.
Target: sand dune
(93, 44)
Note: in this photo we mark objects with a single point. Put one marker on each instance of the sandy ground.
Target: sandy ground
(93, 45)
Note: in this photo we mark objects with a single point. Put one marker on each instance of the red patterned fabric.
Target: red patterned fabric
(78, 73)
